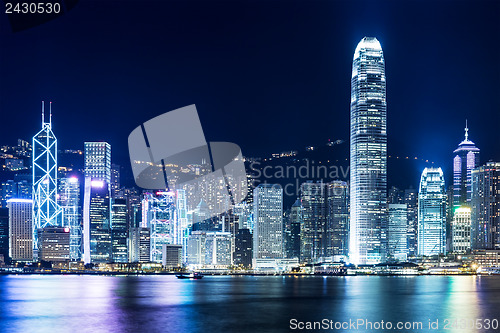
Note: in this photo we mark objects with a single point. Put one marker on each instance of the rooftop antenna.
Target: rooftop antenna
(50, 113)
(43, 113)
(466, 131)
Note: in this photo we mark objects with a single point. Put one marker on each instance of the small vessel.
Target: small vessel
(193, 275)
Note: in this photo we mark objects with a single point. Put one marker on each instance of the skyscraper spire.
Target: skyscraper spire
(466, 131)
(50, 113)
(43, 113)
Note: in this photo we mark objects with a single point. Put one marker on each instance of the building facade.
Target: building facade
(313, 236)
(4, 233)
(337, 219)
(432, 213)
(218, 249)
(54, 244)
(97, 157)
(411, 201)
(20, 229)
(296, 221)
(268, 222)
(69, 200)
(485, 202)
(119, 230)
(397, 232)
(97, 239)
(172, 256)
(461, 229)
(243, 247)
(159, 214)
(139, 244)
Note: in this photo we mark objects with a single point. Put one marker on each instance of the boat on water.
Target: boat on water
(193, 275)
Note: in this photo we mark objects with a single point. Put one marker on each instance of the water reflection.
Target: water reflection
(32, 303)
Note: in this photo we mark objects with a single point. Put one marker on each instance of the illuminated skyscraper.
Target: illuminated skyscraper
(97, 246)
(295, 221)
(115, 180)
(218, 249)
(172, 256)
(432, 213)
(466, 158)
(368, 179)
(158, 211)
(69, 199)
(461, 230)
(97, 240)
(268, 224)
(20, 229)
(98, 161)
(397, 242)
(337, 219)
(325, 216)
(485, 219)
(196, 248)
(46, 210)
(139, 244)
(184, 227)
(54, 244)
(242, 255)
(119, 230)
(4, 233)
(313, 232)
(411, 201)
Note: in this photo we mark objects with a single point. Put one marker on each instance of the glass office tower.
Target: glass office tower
(20, 229)
(268, 225)
(411, 201)
(461, 239)
(69, 200)
(97, 243)
(432, 213)
(98, 161)
(313, 231)
(325, 216)
(485, 214)
(397, 235)
(368, 191)
(466, 158)
(119, 230)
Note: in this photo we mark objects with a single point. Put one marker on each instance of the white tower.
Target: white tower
(46, 210)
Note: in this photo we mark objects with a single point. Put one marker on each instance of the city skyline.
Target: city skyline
(101, 244)
(374, 232)
(368, 155)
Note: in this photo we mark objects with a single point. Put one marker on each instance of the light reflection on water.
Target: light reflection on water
(54, 303)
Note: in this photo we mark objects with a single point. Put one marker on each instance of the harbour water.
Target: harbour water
(59, 303)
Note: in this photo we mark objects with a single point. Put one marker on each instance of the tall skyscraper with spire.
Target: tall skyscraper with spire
(466, 158)
(368, 191)
(46, 210)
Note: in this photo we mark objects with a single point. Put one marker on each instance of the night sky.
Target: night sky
(267, 75)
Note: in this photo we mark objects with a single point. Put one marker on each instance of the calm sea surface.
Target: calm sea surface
(34, 303)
